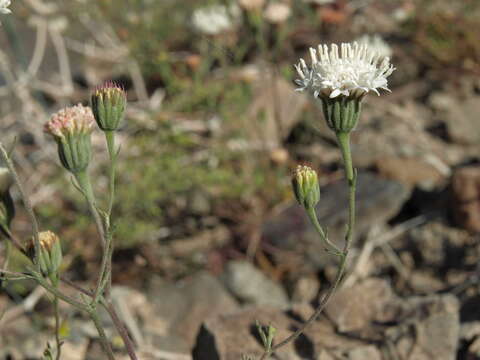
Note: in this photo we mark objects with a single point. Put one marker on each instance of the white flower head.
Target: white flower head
(215, 19)
(4, 4)
(277, 13)
(354, 71)
(377, 44)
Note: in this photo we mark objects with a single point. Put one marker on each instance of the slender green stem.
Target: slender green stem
(104, 275)
(8, 252)
(41, 281)
(316, 314)
(83, 180)
(344, 144)
(14, 273)
(313, 218)
(57, 328)
(121, 329)
(101, 332)
(26, 202)
(112, 152)
(54, 280)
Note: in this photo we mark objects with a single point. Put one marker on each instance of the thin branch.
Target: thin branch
(26, 202)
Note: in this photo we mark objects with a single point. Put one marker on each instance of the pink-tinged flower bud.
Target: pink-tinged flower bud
(71, 127)
(305, 186)
(108, 105)
(50, 256)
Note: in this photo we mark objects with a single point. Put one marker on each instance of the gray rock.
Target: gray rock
(430, 329)
(371, 297)
(439, 245)
(470, 330)
(228, 337)
(251, 286)
(369, 352)
(460, 116)
(178, 309)
(305, 289)
(378, 200)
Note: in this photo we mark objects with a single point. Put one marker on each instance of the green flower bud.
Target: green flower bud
(108, 105)
(342, 112)
(305, 186)
(71, 128)
(7, 207)
(50, 252)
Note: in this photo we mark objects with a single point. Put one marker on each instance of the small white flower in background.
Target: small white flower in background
(4, 4)
(354, 71)
(215, 19)
(377, 44)
(277, 13)
(250, 5)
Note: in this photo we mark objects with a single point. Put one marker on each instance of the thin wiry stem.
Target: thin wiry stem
(121, 330)
(313, 218)
(105, 277)
(43, 282)
(344, 144)
(318, 311)
(26, 202)
(54, 280)
(83, 180)
(101, 332)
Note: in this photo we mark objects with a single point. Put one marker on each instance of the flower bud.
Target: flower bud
(7, 208)
(6, 180)
(108, 105)
(305, 186)
(50, 256)
(71, 128)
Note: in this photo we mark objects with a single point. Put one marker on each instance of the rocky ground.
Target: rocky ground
(196, 287)
(412, 286)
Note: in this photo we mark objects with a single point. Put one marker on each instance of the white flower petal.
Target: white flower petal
(344, 70)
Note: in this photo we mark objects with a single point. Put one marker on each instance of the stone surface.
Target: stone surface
(465, 191)
(437, 245)
(436, 328)
(370, 299)
(378, 200)
(228, 337)
(419, 328)
(410, 171)
(368, 352)
(460, 116)
(251, 286)
(179, 309)
(305, 289)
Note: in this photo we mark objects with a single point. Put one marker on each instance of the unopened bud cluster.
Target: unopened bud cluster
(305, 186)
(108, 105)
(50, 256)
(71, 127)
(7, 208)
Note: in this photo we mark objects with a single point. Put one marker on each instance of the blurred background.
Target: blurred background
(204, 210)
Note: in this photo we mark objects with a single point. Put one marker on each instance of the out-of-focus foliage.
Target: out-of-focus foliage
(439, 43)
